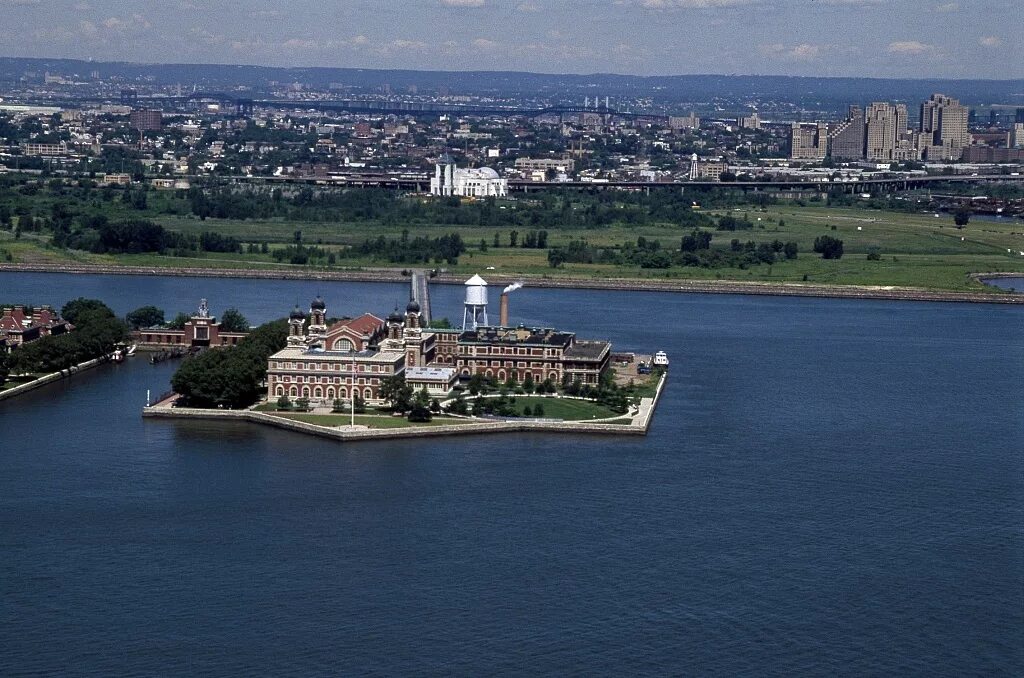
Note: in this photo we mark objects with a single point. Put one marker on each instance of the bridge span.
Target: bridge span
(420, 292)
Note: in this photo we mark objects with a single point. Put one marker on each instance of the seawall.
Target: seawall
(639, 427)
(890, 293)
(52, 377)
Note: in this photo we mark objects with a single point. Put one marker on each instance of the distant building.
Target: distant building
(706, 169)
(678, 122)
(545, 164)
(886, 125)
(846, 139)
(808, 141)
(751, 121)
(1015, 137)
(18, 327)
(943, 128)
(29, 148)
(145, 120)
(481, 182)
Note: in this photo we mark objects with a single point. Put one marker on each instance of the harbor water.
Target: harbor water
(829, 487)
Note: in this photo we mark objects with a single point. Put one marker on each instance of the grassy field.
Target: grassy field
(564, 408)
(916, 250)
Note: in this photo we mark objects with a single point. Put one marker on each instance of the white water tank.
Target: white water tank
(476, 291)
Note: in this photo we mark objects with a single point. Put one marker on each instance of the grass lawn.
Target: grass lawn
(565, 408)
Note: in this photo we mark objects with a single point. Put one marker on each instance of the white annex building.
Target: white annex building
(482, 182)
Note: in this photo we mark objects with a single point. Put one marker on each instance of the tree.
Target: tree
(338, 405)
(359, 404)
(178, 322)
(283, 403)
(790, 250)
(961, 217)
(513, 238)
(538, 410)
(459, 405)
(233, 321)
(397, 393)
(302, 404)
(73, 309)
(146, 316)
(528, 385)
(828, 247)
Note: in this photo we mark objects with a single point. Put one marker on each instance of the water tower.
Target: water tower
(475, 314)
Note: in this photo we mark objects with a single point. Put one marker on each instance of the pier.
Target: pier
(421, 293)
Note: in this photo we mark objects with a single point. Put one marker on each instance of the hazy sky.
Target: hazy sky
(879, 38)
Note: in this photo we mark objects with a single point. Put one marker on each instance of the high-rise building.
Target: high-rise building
(846, 139)
(145, 120)
(943, 128)
(808, 141)
(886, 124)
(1020, 115)
(751, 121)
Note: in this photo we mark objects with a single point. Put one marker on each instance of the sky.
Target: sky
(861, 38)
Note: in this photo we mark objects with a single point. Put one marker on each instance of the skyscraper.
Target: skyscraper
(846, 139)
(943, 128)
(808, 142)
(886, 124)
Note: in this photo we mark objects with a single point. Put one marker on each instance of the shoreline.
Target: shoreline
(641, 423)
(686, 286)
(52, 377)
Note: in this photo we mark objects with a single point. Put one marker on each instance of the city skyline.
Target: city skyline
(865, 38)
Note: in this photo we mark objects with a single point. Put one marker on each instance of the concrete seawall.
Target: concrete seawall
(681, 285)
(641, 423)
(52, 377)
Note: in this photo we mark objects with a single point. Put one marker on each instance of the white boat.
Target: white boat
(660, 359)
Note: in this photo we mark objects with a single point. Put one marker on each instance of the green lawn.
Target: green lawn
(565, 408)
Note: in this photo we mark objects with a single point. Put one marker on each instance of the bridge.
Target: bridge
(420, 182)
(421, 293)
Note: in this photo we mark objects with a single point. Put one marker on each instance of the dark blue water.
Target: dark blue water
(1012, 284)
(829, 487)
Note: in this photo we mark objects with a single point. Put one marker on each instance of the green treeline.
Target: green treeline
(694, 250)
(98, 234)
(230, 377)
(97, 331)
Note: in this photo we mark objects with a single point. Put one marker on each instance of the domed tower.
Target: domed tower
(318, 318)
(412, 314)
(395, 322)
(413, 335)
(296, 327)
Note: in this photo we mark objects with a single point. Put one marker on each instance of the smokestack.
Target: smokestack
(503, 319)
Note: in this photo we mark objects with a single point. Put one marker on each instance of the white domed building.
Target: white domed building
(480, 182)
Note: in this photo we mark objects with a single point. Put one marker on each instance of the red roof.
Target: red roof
(366, 324)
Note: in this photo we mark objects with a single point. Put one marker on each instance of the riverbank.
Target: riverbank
(891, 293)
(640, 422)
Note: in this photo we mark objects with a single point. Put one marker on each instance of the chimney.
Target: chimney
(504, 310)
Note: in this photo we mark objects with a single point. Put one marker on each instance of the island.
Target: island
(401, 375)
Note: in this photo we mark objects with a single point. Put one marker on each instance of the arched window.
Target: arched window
(368, 393)
(305, 391)
(318, 392)
(501, 375)
(343, 345)
(294, 392)
(280, 390)
(330, 392)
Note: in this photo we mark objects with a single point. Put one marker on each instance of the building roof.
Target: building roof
(366, 324)
(429, 373)
(587, 350)
(476, 281)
